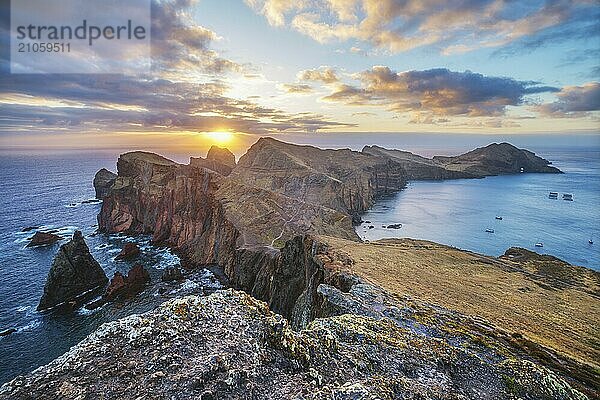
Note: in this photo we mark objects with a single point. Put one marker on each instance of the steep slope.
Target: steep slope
(343, 180)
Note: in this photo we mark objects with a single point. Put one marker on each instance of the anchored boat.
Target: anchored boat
(553, 195)
(567, 196)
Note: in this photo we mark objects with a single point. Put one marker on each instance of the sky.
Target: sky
(227, 72)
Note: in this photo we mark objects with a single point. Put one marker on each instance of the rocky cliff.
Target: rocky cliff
(270, 223)
(218, 159)
(244, 219)
(103, 181)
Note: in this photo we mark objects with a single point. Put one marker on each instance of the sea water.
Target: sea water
(48, 191)
(458, 212)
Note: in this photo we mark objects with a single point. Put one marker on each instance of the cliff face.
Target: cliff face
(103, 180)
(218, 159)
(254, 220)
(343, 180)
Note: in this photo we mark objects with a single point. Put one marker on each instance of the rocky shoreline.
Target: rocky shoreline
(274, 222)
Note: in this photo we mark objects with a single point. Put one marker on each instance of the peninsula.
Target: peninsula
(314, 312)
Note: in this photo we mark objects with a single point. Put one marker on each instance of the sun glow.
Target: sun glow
(219, 137)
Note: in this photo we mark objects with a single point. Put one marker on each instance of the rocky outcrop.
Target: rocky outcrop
(229, 345)
(342, 180)
(172, 274)
(74, 272)
(129, 251)
(43, 239)
(218, 159)
(254, 220)
(124, 286)
(103, 181)
(497, 159)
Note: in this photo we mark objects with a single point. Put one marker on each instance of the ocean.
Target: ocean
(46, 190)
(459, 212)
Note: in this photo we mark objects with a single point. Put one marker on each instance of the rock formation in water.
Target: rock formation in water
(218, 159)
(229, 345)
(124, 286)
(103, 181)
(73, 273)
(43, 239)
(129, 251)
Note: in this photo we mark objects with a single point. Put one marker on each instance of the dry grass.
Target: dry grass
(562, 317)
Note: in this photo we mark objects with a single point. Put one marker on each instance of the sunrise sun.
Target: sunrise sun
(219, 137)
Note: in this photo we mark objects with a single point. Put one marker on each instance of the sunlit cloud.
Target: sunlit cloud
(436, 93)
(454, 26)
(573, 101)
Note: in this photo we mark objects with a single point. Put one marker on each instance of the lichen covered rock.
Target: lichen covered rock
(230, 345)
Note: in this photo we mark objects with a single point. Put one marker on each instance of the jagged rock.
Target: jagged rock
(127, 286)
(103, 181)
(129, 251)
(73, 272)
(222, 155)
(218, 159)
(172, 274)
(43, 239)
(229, 345)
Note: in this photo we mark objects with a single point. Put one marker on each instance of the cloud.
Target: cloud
(323, 74)
(436, 92)
(453, 26)
(297, 88)
(185, 92)
(573, 101)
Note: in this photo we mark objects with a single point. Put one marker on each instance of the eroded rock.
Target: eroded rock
(73, 273)
(129, 251)
(124, 286)
(43, 239)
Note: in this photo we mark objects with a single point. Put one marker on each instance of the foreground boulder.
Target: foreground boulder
(129, 251)
(231, 346)
(123, 286)
(103, 181)
(43, 239)
(74, 272)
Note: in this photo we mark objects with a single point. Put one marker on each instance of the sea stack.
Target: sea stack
(74, 271)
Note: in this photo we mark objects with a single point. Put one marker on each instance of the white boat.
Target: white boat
(539, 244)
(553, 195)
(498, 217)
(567, 196)
(489, 230)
